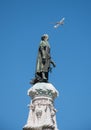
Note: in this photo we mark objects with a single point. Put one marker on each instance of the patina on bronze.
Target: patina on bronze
(44, 61)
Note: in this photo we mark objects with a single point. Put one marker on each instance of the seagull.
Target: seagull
(61, 22)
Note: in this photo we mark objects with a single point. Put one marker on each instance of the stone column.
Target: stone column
(42, 114)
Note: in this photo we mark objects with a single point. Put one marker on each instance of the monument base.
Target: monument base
(42, 114)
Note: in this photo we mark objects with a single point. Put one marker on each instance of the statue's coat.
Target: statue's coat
(43, 56)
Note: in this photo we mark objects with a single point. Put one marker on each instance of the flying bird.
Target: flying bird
(61, 22)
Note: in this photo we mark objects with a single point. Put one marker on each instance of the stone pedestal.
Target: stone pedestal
(42, 114)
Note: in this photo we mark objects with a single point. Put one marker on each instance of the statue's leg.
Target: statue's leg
(38, 75)
(44, 76)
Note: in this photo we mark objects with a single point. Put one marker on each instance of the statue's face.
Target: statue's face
(46, 38)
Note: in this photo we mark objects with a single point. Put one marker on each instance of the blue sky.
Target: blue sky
(22, 22)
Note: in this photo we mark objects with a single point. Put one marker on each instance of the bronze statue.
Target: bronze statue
(43, 65)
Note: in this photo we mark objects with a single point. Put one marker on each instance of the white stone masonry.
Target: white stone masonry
(42, 114)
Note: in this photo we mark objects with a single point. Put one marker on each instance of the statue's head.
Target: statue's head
(45, 37)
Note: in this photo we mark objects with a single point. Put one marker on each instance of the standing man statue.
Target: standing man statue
(43, 65)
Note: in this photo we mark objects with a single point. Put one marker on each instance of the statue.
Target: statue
(44, 61)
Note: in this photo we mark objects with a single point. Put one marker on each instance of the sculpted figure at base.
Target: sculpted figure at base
(42, 115)
(44, 61)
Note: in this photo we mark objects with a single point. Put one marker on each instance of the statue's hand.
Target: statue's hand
(50, 69)
(54, 65)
